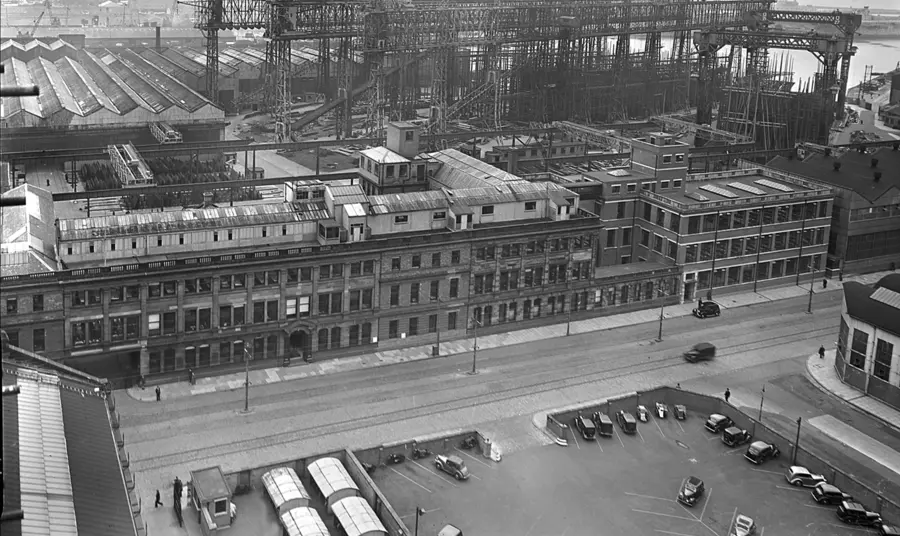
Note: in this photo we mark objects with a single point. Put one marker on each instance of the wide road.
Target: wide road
(289, 420)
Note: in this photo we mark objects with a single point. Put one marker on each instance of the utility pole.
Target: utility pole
(419, 512)
(247, 358)
(475, 325)
(797, 442)
(662, 305)
(569, 322)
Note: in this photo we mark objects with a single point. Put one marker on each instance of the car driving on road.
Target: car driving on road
(706, 309)
(452, 465)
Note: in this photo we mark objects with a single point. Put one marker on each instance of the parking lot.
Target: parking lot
(624, 484)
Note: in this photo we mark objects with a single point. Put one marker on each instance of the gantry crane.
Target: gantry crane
(34, 27)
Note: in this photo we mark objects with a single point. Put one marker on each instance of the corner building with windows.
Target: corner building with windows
(328, 272)
(741, 229)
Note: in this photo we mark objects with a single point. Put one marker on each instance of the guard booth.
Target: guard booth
(211, 496)
(285, 489)
(332, 480)
(303, 521)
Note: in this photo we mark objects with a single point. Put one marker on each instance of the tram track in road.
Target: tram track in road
(159, 461)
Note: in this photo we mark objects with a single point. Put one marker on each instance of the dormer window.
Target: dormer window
(318, 194)
(303, 195)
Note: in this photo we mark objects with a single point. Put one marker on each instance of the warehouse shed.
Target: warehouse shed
(285, 489)
(303, 521)
(357, 518)
(333, 480)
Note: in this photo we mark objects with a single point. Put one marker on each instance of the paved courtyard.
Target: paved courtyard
(625, 484)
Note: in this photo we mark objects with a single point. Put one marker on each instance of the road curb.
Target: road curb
(831, 393)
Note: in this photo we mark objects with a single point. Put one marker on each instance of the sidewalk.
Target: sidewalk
(230, 382)
(825, 377)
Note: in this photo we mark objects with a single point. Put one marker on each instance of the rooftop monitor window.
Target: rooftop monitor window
(401, 219)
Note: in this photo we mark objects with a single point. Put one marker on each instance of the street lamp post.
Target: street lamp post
(569, 322)
(419, 512)
(437, 329)
(475, 324)
(246, 380)
(662, 305)
(812, 277)
(762, 397)
(797, 442)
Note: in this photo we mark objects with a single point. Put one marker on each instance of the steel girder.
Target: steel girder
(847, 23)
(424, 29)
(711, 41)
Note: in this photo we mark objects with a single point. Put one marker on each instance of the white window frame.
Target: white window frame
(154, 319)
(303, 305)
(290, 308)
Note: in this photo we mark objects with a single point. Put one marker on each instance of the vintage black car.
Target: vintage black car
(680, 412)
(854, 513)
(825, 493)
(716, 423)
(734, 436)
(760, 451)
(603, 423)
(707, 308)
(691, 491)
(586, 427)
(888, 530)
(626, 421)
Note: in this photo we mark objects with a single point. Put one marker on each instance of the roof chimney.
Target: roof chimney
(877, 176)
(836, 165)
(874, 162)
(207, 199)
(158, 39)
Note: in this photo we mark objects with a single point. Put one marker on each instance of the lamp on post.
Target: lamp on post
(797, 442)
(437, 330)
(762, 397)
(569, 322)
(812, 278)
(475, 324)
(663, 287)
(419, 512)
(247, 358)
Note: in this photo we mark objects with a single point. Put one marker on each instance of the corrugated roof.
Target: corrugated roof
(383, 155)
(283, 485)
(200, 58)
(303, 521)
(459, 170)
(183, 61)
(12, 498)
(408, 202)
(178, 93)
(356, 517)
(102, 506)
(349, 194)
(190, 219)
(330, 476)
(887, 297)
(46, 487)
(483, 196)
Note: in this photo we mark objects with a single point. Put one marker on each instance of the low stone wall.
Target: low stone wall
(704, 404)
(438, 444)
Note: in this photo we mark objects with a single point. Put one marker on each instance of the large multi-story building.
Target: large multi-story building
(736, 229)
(865, 221)
(329, 271)
(868, 348)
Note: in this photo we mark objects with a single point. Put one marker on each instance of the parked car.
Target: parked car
(450, 530)
(680, 412)
(452, 465)
(825, 493)
(743, 526)
(888, 530)
(603, 423)
(703, 351)
(706, 309)
(734, 436)
(585, 426)
(853, 513)
(691, 491)
(716, 423)
(760, 451)
(801, 476)
(626, 421)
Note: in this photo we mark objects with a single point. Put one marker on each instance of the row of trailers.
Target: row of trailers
(338, 490)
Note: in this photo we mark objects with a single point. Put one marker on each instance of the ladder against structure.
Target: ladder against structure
(165, 133)
(129, 165)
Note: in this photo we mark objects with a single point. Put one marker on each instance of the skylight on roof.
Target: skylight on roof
(696, 196)
(619, 173)
(774, 185)
(887, 297)
(747, 188)
(712, 188)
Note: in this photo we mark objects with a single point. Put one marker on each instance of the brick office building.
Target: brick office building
(738, 229)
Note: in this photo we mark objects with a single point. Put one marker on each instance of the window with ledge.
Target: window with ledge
(37, 303)
(455, 256)
(454, 287)
(434, 290)
(615, 189)
(395, 295)
(89, 332)
(435, 259)
(530, 206)
(631, 188)
(414, 293)
(487, 210)
(667, 159)
(125, 328)
(439, 216)
(395, 263)
(402, 219)
(679, 158)
(663, 185)
(12, 306)
(331, 271)
(676, 183)
(416, 261)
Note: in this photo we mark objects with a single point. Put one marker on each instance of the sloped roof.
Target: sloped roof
(12, 491)
(459, 170)
(357, 517)
(349, 194)
(862, 307)
(383, 155)
(28, 234)
(856, 171)
(408, 202)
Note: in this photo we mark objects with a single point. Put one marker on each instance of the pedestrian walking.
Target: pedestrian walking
(699, 303)
(824, 283)
(727, 394)
(158, 394)
(158, 500)
(191, 375)
(678, 385)
(821, 352)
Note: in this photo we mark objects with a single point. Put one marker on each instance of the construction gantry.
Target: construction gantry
(513, 60)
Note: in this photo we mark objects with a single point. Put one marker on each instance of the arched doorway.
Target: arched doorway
(299, 340)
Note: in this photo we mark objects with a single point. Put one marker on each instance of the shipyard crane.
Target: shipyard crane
(54, 21)
(34, 27)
